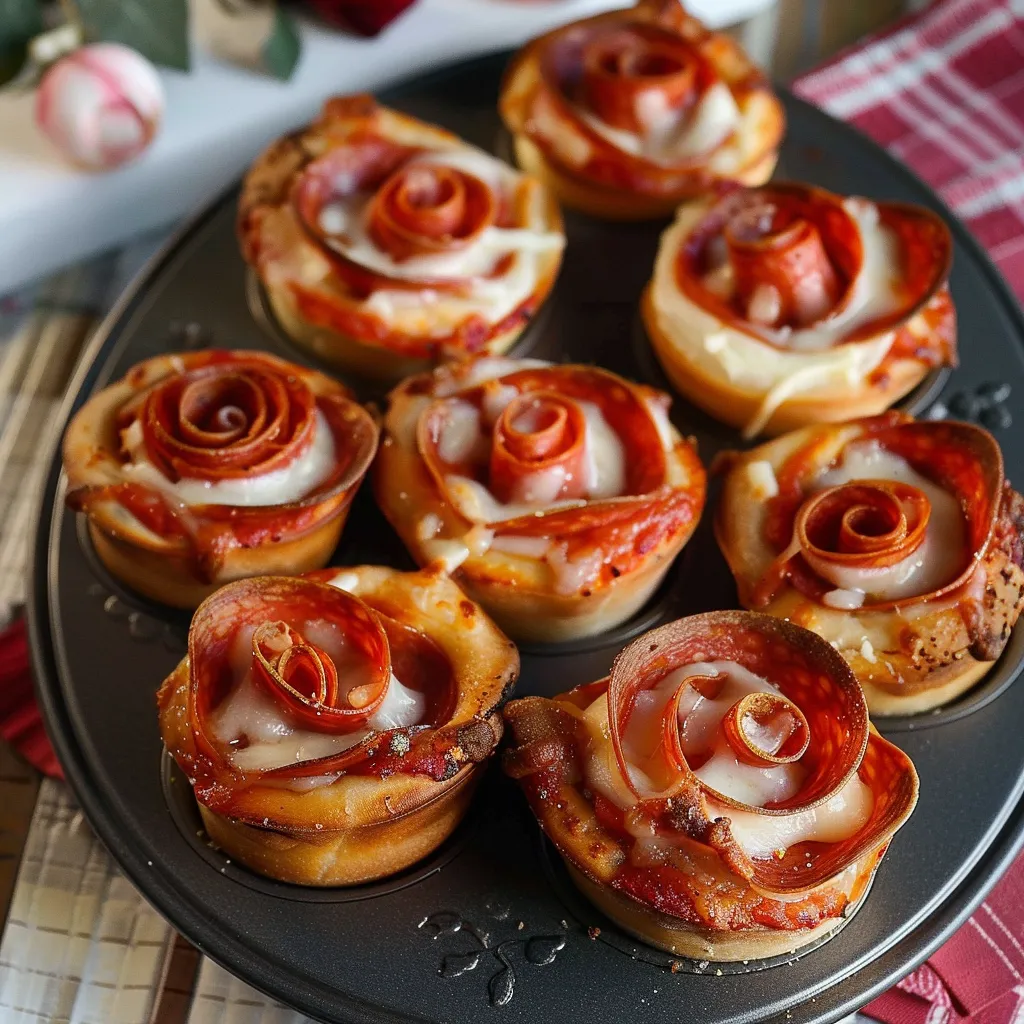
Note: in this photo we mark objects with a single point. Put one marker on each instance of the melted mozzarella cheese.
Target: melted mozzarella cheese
(447, 552)
(606, 455)
(259, 738)
(347, 581)
(474, 501)
(277, 487)
(126, 519)
(525, 547)
(460, 435)
(541, 487)
(670, 136)
(495, 401)
(449, 382)
(845, 600)
(428, 527)
(838, 818)
(571, 576)
(570, 146)
(939, 559)
(763, 481)
(659, 417)
(702, 736)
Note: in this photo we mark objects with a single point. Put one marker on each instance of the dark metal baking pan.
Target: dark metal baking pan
(488, 927)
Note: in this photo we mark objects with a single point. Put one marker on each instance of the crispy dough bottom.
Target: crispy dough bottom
(551, 618)
(950, 682)
(345, 856)
(169, 578)
(665, 932)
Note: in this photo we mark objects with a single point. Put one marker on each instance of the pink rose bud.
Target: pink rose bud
(100, 105)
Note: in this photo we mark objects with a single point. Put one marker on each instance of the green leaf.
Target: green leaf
(20, 20)
(253, 33)
(158, 29)
(282, 50)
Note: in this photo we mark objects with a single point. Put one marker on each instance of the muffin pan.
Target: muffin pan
(490, 923)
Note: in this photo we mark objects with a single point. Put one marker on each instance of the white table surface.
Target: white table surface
(219, 116)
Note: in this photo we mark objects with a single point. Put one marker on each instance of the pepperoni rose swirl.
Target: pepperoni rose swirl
(629, 113)
(334, 727)
(776, 307)
(557, 496)
(202, 468)
(722, 794)
(898, 542)
(384, 243)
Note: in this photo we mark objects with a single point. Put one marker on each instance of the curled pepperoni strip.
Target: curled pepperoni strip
(539, 432)
(788, 256)
(869, 524)
(876, 524)
(329, 688)
(310, 686)
(224, 420)
(623, 68)
(534, 453)
(780, 262)
(425, 208)
(821, 724)
(305, 678)
(759, 714)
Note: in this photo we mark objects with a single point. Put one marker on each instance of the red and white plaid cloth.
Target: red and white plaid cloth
(944, 92)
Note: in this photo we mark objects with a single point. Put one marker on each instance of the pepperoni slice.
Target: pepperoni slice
(873, 524)
(787, 256)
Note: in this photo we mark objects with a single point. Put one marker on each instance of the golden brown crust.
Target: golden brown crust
(361, 826)
(184, 553)
(738, 407)
(944, 685)
(327, 302)
(535, 614)
(347, 856)
(909, 659)
(171, 577)
(673, 936)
